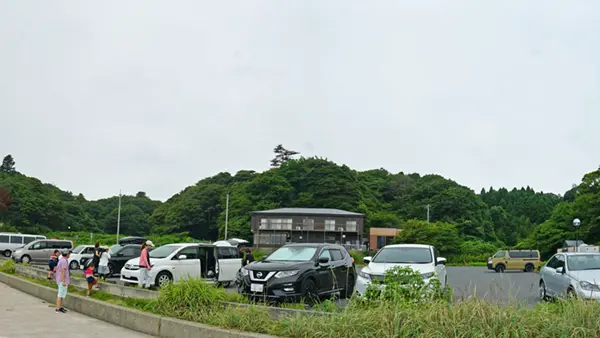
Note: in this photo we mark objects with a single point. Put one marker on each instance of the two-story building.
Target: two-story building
(274, 228)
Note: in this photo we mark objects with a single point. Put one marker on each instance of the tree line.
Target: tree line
(462, 223)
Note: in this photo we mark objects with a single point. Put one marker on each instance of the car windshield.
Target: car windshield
(403, 255)
(583, 262)
(78, 249)
(114, 249)
(163, 251)
(293, 253)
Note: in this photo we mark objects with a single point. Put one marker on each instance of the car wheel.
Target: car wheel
(163, 278)
(74, 265)
(309, 290)
(500, 268)
(349, 289)
(7, 253)
(571, 294)
(25, 259)
(529, 268)
(225, 284)
(542, 291)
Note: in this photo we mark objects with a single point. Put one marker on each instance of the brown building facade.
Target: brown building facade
(277, 227)
(380, 237)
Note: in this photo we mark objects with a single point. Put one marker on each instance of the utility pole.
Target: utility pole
(428, 212)
(119, 217)
(226, 214)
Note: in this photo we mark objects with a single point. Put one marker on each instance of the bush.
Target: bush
(403, 285)
(358, 256)
(189, 299)
(8, 267)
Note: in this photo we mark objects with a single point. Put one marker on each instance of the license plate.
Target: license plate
(256, 287)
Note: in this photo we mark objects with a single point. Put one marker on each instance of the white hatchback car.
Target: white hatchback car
(421, 258)
(173, 262)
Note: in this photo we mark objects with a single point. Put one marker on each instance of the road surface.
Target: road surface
(23, 316)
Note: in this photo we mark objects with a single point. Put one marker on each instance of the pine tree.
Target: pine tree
(8, 164)
(282, 155)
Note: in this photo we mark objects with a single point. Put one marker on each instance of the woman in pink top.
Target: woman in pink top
(145, 266)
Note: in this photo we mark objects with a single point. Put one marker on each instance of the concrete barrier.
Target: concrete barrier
(132, 319)
(132, 292)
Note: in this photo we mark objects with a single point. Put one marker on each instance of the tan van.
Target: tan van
(40, 251)
(525, 260)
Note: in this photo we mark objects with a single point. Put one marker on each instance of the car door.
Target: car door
(325, 274)
(549, 275)
(37, 251)
(440, 269)
(562, 281)
(339, 267)
(229, 263)
(186, 267)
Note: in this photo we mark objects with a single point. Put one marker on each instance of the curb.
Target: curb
(135, 320)
(129, 292)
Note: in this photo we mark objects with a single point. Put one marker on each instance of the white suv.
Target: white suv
(173, 262)
(421, 258)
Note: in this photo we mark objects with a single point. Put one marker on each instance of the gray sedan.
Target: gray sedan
(571, 274)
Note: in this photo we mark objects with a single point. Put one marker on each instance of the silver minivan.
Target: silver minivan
(10, 241)
(40, 250)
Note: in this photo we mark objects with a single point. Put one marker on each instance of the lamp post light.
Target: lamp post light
(576, 224)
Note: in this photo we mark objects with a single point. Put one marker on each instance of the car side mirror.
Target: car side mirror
(182, 257)
(367, 259)
(560, 270)
(120, 254)
(323, 261)
(441, 261)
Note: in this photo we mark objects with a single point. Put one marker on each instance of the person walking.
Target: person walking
(91, 280)
(145, 265)
(52, 262)
(63, 279)
(103, 269)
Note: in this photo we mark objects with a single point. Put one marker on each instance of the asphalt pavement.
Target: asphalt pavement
(467, 281)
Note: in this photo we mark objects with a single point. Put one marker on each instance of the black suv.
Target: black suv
(119, 255)
(300, 271)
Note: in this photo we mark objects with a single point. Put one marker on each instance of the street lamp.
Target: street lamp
(576, 224)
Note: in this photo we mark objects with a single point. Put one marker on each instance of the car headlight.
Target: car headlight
(244, 272)
(589, 286)
(364, 275)
(427, 275)
(283, 274)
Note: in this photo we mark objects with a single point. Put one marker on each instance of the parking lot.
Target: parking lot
(511, 286)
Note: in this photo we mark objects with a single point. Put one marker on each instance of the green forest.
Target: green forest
(463, 224)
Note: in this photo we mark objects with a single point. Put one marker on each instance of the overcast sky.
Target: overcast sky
(97, 96)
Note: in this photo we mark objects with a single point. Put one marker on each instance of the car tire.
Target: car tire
(309, 291)
(571, 293)
(542, 291)
(25, 259)
(74, 265)
(349, 289)
(163, 278)
(7, 253)
(500, 268)
(224, 284)
(529, 268)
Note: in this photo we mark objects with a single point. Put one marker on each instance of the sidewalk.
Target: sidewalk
(22, 315)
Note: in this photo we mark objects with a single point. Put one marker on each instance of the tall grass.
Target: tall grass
(8, 266)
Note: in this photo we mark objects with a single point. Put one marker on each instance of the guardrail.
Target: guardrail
(132, 292)
(151, 324)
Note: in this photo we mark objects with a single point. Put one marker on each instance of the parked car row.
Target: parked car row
(10, 241)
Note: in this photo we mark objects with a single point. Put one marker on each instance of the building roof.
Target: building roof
(574, 243)
(307, 211)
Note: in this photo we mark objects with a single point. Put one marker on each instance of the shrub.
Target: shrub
(358, 256)
(8, 267)
(403, 285)
(189, 298)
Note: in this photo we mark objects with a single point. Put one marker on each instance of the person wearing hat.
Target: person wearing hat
(145, 265)
(63, 279)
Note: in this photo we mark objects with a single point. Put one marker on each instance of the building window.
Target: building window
(264, 224)
(380, 242)
(351, 226)
(272, 239)
(281, 224)
(329, 225)
(308, 224)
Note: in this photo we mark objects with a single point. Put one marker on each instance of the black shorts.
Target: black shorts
(91, 280)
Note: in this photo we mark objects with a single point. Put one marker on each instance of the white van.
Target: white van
(9, 241)
(173, 262)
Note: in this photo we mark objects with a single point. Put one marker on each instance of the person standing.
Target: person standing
(145, 265)
(96, 258)
(249, 257)
(63, 279)
(103, 269)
